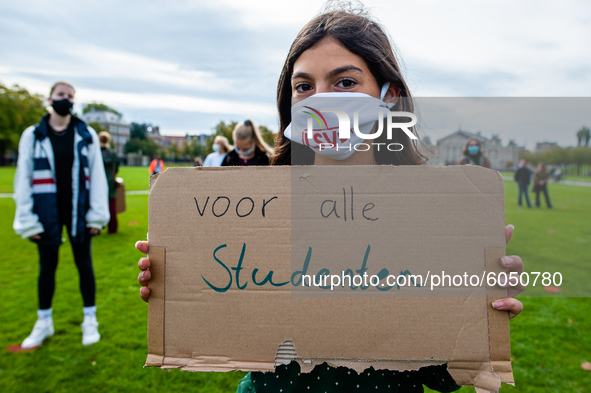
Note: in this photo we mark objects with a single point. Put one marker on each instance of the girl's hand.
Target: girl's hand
(93, 231)
(513, 264)
(145, 275)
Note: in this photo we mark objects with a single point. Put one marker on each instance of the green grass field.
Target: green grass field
(549, 339)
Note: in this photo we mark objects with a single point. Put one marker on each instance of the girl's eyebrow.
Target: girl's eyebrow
(342, 69)
(331, 74)
(303, 75)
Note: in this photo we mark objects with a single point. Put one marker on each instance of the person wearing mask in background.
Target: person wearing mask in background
(540, 180)
(473, 154)
(111, 162)
(249, 147)
(522, 176)
(220, 147)
(60, 181)
(156, 166)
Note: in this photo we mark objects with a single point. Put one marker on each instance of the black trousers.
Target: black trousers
(544, 190)
(48, 259)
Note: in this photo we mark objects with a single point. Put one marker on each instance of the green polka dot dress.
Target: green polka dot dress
(327, 379)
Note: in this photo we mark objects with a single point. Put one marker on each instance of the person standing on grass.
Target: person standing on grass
(60, 181)
(220, 147)
(249, 147)
(111, 162)
(473, 154)
(342, 52)
(522, 176)
(156, 166)
(540, 184)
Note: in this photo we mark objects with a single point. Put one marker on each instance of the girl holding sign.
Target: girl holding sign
(346, 52)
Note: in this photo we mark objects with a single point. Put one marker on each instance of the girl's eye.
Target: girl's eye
(346, 83)
(303, 87)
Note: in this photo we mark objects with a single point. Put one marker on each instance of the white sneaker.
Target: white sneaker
(90, 334)
(43, 329)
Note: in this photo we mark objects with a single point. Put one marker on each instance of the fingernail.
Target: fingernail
(142, 275)
(497, 304)
(507, 261)
(512, 226)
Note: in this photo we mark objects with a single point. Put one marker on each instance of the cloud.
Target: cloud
(176, 102)
(195, 57)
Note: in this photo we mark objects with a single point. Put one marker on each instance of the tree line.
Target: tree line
(18, 110)
(575, 160)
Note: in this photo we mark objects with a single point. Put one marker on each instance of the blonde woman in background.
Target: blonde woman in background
(221, 147)
(249, 147)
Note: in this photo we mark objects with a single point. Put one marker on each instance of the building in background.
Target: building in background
(152, 131)
(117, 127)
(448, 150)
(545, 146)
(201, 139)
(167, 140)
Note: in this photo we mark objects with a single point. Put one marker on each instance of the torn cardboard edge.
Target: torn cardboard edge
(482, 375)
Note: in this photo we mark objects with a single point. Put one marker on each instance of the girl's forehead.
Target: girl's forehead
(243, 142)
(63, 89)
(327, 55)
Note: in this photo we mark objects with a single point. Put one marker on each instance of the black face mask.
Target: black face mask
(62, 107)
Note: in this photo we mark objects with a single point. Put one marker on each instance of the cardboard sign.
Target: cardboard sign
(229, 245)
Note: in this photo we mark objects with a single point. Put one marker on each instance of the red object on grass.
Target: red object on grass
(552, 289)
(17, 348)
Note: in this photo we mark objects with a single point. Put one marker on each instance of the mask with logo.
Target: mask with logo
(62, 107)
(474, 149)
(323, 111)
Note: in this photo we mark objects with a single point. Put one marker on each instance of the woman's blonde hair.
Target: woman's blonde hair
(104, 138)
(247, 130)
(61, 83)
(223, 141)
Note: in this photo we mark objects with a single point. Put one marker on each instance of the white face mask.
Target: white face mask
(245, 153)
(321, 111)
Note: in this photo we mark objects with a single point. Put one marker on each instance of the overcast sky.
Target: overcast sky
(185, 65)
